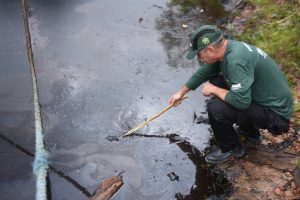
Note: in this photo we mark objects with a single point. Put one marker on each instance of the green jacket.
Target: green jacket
(251, 75)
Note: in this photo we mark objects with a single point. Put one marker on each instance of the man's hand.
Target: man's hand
(210, 89)
(177, 98)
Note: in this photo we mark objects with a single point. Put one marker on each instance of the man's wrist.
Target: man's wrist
(220, 92)
(184, 90)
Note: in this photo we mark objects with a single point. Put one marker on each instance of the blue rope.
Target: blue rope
(40, 164)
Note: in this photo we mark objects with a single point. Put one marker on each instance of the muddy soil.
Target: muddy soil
(266, 171)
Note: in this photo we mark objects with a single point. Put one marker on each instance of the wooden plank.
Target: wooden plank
(296, 174)
(243, 196)
(107, 188)
(275, 159)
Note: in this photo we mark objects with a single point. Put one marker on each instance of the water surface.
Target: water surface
(104, 66)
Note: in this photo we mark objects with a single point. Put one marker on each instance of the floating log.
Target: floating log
(107, 188)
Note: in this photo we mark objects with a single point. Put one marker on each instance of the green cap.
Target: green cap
(201, 38)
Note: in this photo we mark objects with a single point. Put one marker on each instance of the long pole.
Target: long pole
(151, 119)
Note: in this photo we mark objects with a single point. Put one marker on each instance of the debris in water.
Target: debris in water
(184, 25)
(179, 196)
(112, 138)
(202, 120)
(194, 187)
(173, 176)
(194, 117)
(140, 20)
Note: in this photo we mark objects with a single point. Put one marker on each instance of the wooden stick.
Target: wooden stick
(151, 119)
(107, 188)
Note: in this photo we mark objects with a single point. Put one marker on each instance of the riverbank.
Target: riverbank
(269, 169)
(274, 27)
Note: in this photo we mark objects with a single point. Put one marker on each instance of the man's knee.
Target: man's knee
(219, 110)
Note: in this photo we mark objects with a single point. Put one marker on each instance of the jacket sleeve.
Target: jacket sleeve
(202, 75)
(241, 77)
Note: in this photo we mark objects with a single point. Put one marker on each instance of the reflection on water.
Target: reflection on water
(176, 22)
(180, 18)
(180, 168)
(101, 71)
(208, 183)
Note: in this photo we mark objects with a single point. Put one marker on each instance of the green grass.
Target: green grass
(296, 107)
(275, 28)
(296, 163)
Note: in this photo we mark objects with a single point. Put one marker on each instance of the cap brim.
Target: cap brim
(191, 54)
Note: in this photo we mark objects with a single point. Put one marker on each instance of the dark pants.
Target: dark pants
(222, 116)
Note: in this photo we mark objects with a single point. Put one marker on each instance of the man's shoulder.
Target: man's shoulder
(238, 51)
(240, 46)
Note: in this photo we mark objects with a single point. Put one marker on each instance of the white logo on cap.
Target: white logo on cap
(205, 40)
